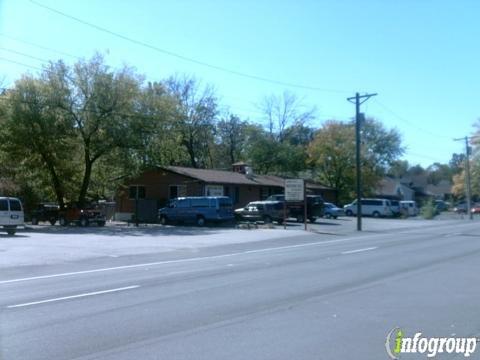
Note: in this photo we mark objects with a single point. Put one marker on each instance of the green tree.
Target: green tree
(332, 155)
(196, 112)
(37, 140)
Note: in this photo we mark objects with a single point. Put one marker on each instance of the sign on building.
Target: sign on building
(294, 189)
(213, 190)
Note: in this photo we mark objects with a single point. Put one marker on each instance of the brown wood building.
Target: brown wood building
(158, 185)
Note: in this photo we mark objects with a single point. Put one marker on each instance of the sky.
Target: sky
(420, 56)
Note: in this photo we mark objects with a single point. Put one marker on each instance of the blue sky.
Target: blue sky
(420, 56)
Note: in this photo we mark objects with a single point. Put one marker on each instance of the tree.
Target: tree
(457, 162)
(398, 168)
(332, 155)
(196, 111)
(231, 135)
(69, 119)
(100, 102)
(37, 137)
(284, 111)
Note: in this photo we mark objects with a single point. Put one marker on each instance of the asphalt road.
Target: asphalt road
(302, 298)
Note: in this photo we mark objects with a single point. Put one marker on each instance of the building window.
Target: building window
(136, 192)
(177, 191)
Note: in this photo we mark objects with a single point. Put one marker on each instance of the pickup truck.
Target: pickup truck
(296, 209)
(83, 216)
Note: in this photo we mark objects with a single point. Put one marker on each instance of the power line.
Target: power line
(409, 122)
(23, 54)
(183, 57)
(20, 63)
(39, 46)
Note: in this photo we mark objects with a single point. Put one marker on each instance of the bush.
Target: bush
(428, 210)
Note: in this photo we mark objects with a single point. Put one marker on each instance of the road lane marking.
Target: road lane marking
(74, 296)
(123, 267)
(358, 250)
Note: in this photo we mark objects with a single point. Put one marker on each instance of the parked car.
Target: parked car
(83, 216)
(45, 212)
(409, 208)
(475, 209)
(460, 208)
(332, 211)
(197, 209)
(440, 206)
(370, 207)
(11, 214)
(296, 209)
(266, 211)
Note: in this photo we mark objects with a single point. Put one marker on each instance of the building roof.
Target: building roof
(444, 187)
(391, 187)
(230, 177)
(226, 177)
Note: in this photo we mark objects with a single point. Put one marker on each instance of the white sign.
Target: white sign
(294, 189)
(214, 190)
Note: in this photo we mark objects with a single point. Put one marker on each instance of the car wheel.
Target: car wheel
(63, 221)
(376, 214)
(328, 215)
(349, 213)
(267, 219)
(101, 223)
(200, 221)
(335, 217)
(280, 221)
(312, 220)
(53, 221)
(83, 222)
(11, 232)
(34, 221)
(163, 220)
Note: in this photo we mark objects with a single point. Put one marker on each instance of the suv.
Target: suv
(266, 211)
(82, 216)
(370, 207)
(296, 209)
(197, 209)
(11, 214)
(45, 212)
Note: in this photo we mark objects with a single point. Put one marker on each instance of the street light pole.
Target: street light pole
(358, 100)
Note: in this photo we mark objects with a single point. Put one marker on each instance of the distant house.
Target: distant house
(441, 191)
(413, 188)
(394, 189)
(152, 189)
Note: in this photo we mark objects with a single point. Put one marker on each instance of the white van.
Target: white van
(11, 214)
(370, 207)
(409, 208)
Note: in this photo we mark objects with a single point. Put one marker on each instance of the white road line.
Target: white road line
(74, 296)
(359, 250)
(122, 267)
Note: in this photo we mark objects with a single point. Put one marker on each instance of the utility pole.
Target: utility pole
(468, 184)
(359, 100)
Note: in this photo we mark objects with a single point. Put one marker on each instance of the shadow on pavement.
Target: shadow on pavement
(123, 230)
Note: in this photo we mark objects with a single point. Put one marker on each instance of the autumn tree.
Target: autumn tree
(332, 155)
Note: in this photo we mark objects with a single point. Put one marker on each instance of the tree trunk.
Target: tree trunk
(57, 185)
(86, 181)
